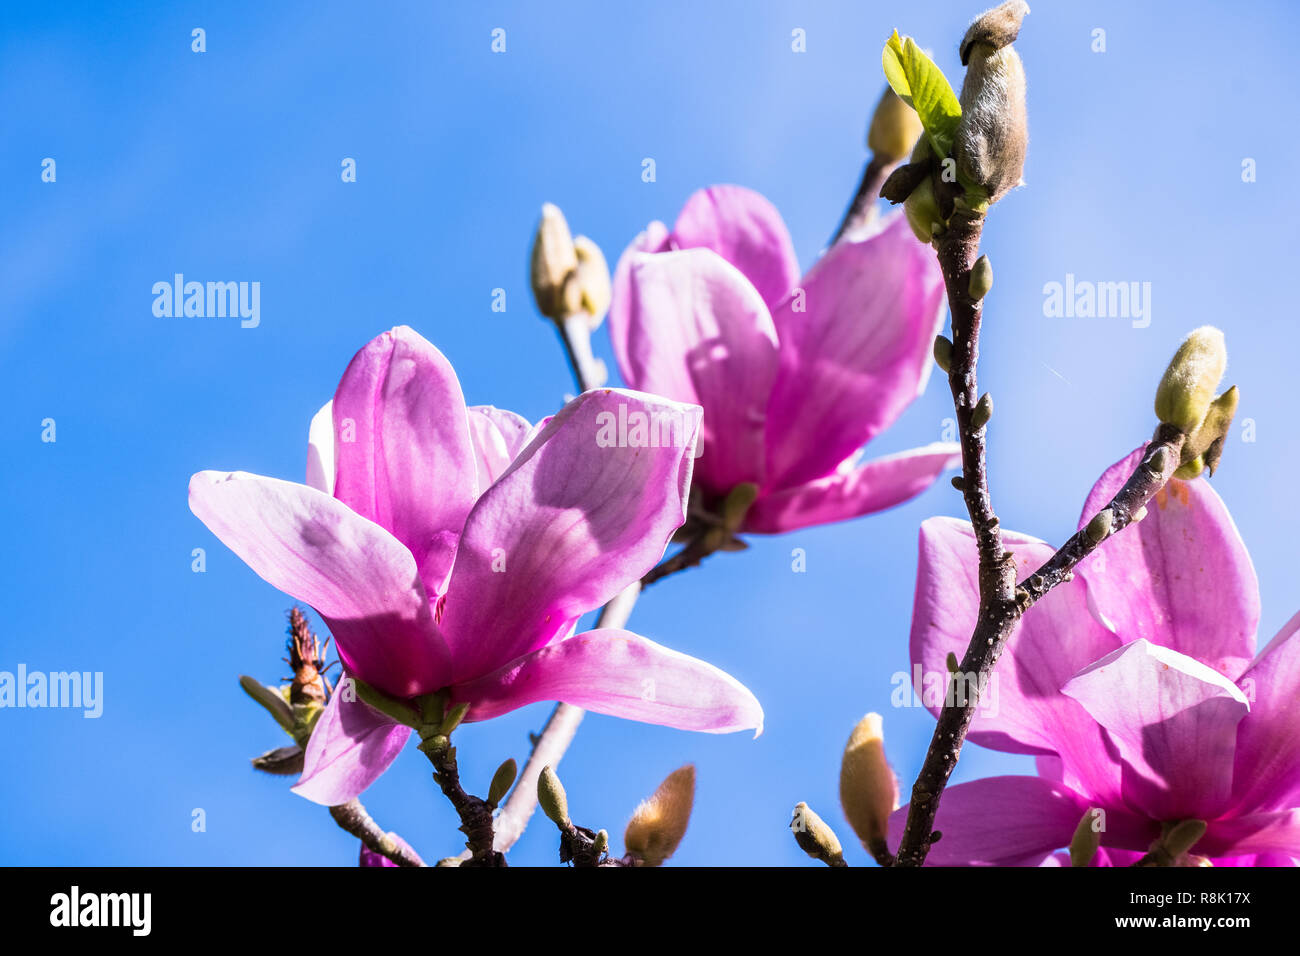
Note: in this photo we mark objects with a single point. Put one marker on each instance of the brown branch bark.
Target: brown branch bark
(353, 817)
(862, 209)
(1002, 602)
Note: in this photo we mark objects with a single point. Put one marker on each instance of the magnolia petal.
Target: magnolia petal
(619, 322)
(700, 333)
(856, 348)
(745, 229)
(1022, 709)
(1268, 833)
(410, 466)
(618, 673)
(498, 436)
(1174, 722)
(1266, 775)
(582, 512)
(1181, 577)
(320, 450)
(999, 821)
(351, 746)
(357, 576)
(854, 490)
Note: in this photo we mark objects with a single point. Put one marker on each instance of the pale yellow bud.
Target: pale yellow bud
(814, 837)
(554, 264)
(593, 280)
(659, 823)
(1187, 388)
(552, 798)
(1086, 840)
(868, 787)
(894, 129)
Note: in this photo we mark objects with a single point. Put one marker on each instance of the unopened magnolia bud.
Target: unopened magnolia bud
(993, 133)
(983, 412)
(922, 210)
(952, 663)
(737, 504)
(552, 798)
(1159, 461)
(601, 843)
(1086, 840)
(281, 760)
(554, 263)
(593, 280)
(1100, 525)
(943, 353)
(894, 129)
(1139, 515)
(981, 278)
(1187, 388)
(502, 780)
(814, 837)
(453, 718)
(868, 787)
(958, 482)
(659, 823)
(1182, 836)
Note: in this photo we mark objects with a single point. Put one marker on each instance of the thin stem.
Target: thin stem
(958, 248)
(575, 334)
(862, 209)
(695, 551)
(475, 813)
(1002, 602)
(353, 817)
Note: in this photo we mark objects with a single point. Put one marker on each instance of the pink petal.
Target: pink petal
(582, 512)
(1267, 771)
(411, 466)
(999, 821)
(699, 332)
(853, 490)
(350, 748)
(359, 578)
(1174, 722)
(856, 344)
(1181, 577)
(320, 450)
(1023, 710)
(1269, 833)
(618, 673)
(745, 229)
(619, 323)
(498, 436)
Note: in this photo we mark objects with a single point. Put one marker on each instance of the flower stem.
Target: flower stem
(862, 209)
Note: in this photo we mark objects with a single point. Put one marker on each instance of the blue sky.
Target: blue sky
(225, 166)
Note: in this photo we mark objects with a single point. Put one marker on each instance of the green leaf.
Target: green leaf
(923, 87)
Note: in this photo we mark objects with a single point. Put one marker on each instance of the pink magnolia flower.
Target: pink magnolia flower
(1137, 687)
(795, 375)
(454, 548)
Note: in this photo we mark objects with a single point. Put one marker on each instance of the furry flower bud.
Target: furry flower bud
(659, 822)
(814, 837)
(552, 798)
(1185, 392)
(554, 265)
(868, 787)
(993, 133)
